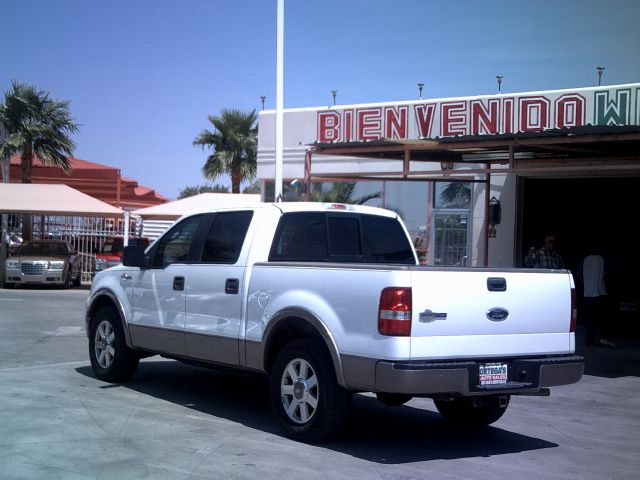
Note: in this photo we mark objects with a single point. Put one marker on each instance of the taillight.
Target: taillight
(574, 310)
(394, 315)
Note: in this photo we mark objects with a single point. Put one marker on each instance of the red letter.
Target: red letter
(484, 120)
(369, 123)
(570, 111)
(328, 127)
(396, 122)
(507, 115)
(534, 114)
(453, 119)
(424, 119)
(348, 125)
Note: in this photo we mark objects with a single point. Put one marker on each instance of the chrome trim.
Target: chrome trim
(315, 322)
(118, 304)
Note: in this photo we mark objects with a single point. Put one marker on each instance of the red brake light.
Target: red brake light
(394, 314)
(574, 310)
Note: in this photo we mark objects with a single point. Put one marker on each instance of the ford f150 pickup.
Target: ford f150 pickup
(328, 300)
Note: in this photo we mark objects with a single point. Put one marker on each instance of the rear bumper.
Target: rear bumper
(462, 378)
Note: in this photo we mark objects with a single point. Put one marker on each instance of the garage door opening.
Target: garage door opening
(583, 212)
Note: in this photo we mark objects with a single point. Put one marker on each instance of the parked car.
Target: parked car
(111, 253)
(49, 262)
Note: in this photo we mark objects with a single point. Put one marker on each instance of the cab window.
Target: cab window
(175, 245)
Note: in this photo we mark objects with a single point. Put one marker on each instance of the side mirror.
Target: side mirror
(134, 256)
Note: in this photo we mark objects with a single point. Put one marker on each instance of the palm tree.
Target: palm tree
(36, 125)
(342, 193)
(190, 191)
(235, 145)
(456, 194)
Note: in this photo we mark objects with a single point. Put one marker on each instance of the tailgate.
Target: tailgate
(467, 313)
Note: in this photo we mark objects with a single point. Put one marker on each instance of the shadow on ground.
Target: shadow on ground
(374, 432)
(622, 361)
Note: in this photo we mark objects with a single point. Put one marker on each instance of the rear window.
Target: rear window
(335, 237)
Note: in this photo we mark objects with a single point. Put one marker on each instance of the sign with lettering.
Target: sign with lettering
(489, 115)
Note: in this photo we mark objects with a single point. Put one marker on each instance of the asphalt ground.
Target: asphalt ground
(173, 421)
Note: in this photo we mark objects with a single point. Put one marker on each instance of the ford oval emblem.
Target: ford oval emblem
(497, 314)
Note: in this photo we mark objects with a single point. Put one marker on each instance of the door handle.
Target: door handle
(497, 284)
(232, 286)
(178, 283)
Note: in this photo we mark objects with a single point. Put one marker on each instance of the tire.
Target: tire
(473, 411)
(393, 399)
(305, 396)
(111, 359)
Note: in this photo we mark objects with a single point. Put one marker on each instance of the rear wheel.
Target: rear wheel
(305, 395)
(473, 411)
(111, 359)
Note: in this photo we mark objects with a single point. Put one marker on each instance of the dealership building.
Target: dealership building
(479, 180)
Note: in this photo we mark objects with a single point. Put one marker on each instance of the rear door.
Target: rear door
(215, 286)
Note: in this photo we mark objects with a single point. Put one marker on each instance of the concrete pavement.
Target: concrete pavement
(179, 422)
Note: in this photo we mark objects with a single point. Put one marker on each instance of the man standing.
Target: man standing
(592, 274)
(545, 257)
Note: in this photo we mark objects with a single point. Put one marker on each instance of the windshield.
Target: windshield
(43, 248)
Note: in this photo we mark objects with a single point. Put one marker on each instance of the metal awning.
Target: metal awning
(588, 148)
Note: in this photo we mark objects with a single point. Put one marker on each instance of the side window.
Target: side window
(301, 236)
(226, 237)
(174, 246)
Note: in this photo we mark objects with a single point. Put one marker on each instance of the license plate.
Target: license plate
(493, 373)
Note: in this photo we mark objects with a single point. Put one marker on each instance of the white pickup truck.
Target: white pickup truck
(329, 300)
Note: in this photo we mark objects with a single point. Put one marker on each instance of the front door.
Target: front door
(158, 293)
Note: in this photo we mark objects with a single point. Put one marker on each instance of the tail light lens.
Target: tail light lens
(394, 314)
(574, 310)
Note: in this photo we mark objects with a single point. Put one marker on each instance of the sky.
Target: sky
(143, 75)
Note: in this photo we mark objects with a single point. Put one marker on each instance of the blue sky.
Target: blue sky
(143, 75)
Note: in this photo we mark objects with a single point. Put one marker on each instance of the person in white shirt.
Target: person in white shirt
(592, 274)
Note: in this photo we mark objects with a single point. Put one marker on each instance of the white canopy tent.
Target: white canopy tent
(197, 203)
(70, 214)
(159, 218)
(46, 199)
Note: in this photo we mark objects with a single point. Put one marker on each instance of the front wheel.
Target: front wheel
(111, 359)
(305, 395)
(473, 411)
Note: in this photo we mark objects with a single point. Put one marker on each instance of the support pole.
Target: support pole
(279, 101)
(125, 240)
(307, 175)
(485, 223)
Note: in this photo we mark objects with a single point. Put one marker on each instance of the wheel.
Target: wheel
(473, 411)
(111, 359)
(393, 399)
(305, 395)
